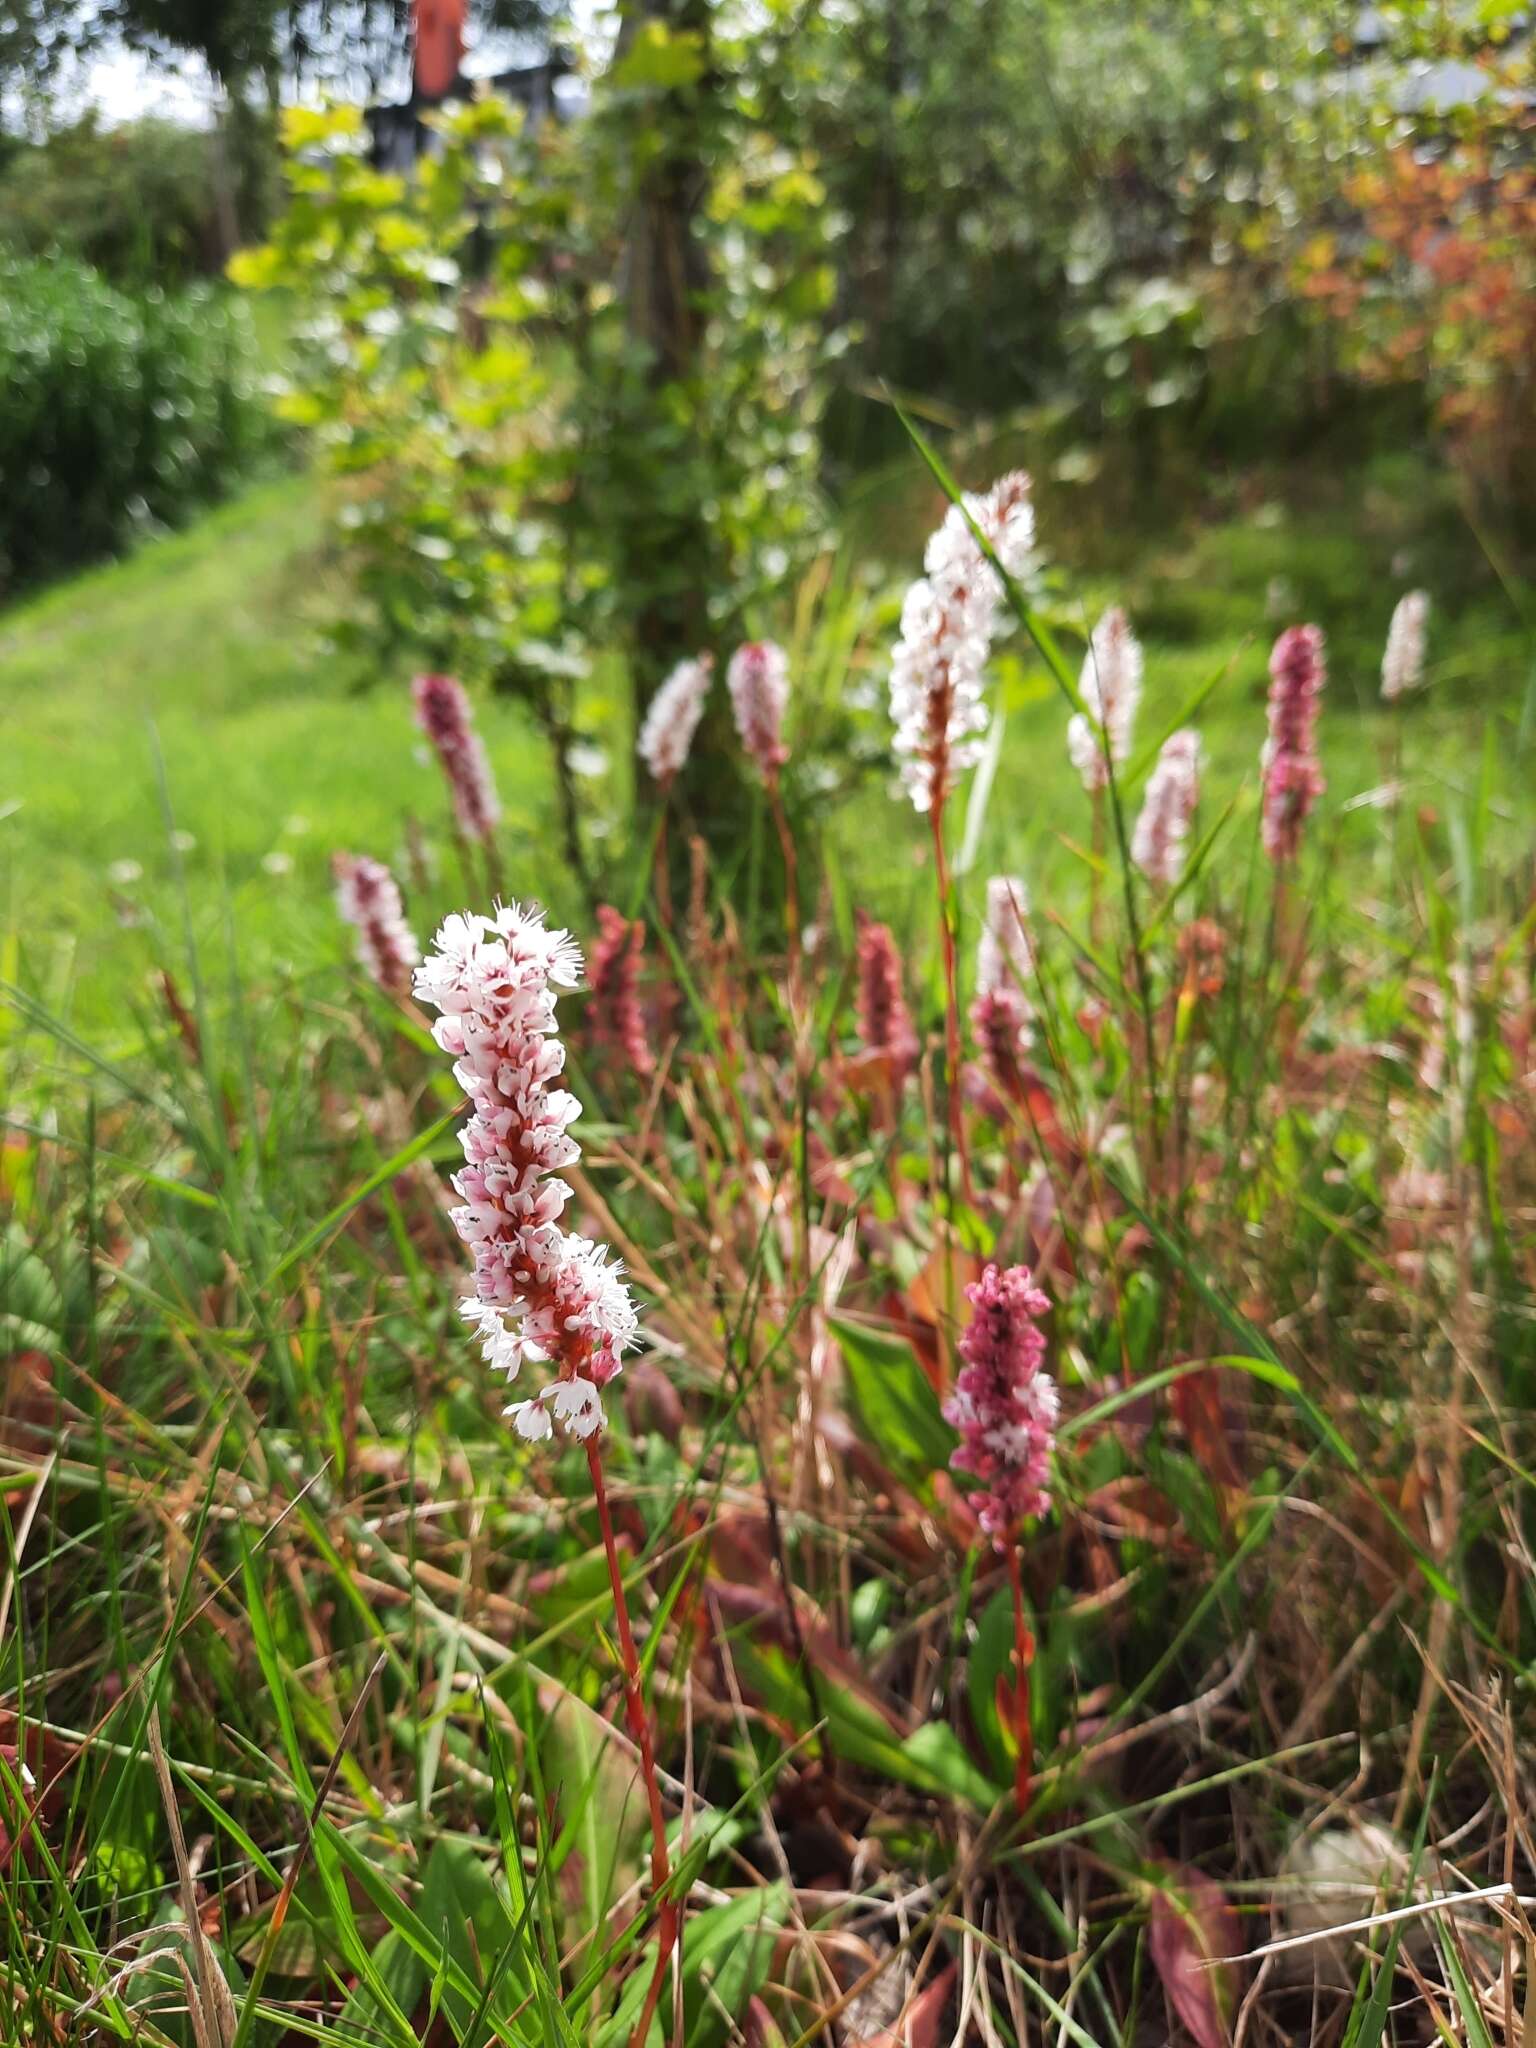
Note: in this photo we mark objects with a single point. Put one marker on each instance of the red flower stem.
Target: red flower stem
(1023, 1657)
(791, 885)
(951, 1002)
(640, 1730)
(659, 873)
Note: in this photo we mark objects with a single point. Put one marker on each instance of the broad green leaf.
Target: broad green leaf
(897, 1407)
(728, 1950)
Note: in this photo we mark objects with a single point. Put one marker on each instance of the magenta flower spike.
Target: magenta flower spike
(1004, 1406)
(885, 1022)
(758, 680)
(1293, 779)
(368, 897)
(443, 714)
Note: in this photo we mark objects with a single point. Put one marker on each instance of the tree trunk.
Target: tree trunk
(669, 559)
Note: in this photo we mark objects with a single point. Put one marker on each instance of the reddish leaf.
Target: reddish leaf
(759, 2029)
(921, 2021)
(871, 1073)
(27, 1397)
(1135, 1508)
(1197, 1403)
(36, 1763)
(1192, 1924)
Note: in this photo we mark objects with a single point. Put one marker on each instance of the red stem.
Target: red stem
(791, 882)
(640, 1730)
(660, 876)
(1023, 1657)
(951, 1001)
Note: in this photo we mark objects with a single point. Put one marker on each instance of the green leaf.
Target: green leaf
(726, 1954)
(406, 1156)
(897, 1407)
(935, 1752)
(991, 1658)
(365, 2013)
(660, 59)
(461, 1907)
(415, 1930)
(931, 1759)
(601, 1803)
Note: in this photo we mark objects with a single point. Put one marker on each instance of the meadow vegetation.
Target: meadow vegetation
(767, 1227)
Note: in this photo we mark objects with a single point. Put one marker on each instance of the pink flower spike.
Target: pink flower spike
(1001, 1016)
(1004, 1406)
(1110, 686)
(368, 897)
(885, 1022)
(758, 680)
(443, 714)
(672, 719)
(1293, 779)
(541, 1292)
(615, 1016)
(1159, 842)
(948, 623)
(1004, 956)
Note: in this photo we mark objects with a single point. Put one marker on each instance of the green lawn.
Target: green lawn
(206, 651)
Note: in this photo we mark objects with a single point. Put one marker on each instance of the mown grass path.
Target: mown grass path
(208, 647)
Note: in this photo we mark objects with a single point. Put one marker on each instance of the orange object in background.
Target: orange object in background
(439, 26)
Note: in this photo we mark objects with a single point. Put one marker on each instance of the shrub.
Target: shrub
(121, 413)
(531, 475)
(1434, 286)
(150, 202)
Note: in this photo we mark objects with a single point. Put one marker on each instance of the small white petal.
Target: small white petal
(531, 1421)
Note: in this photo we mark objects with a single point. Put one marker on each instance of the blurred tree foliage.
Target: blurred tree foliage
(136, 202)
(998, 171)
(543, 454)
(1435, 288)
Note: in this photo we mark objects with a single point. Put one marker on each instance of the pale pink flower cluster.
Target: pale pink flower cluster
(1001, 1014)
(443, 714)
(1293, 779)
(1159, 845)
(368, 897)
(1402, 662)
(1004, 958)
(672, 719)
(948, 622)
(1110, 687)
(1004, 1406)
(540, 1292)
(757, 677)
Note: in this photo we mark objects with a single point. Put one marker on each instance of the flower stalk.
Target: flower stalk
(542, 1294)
